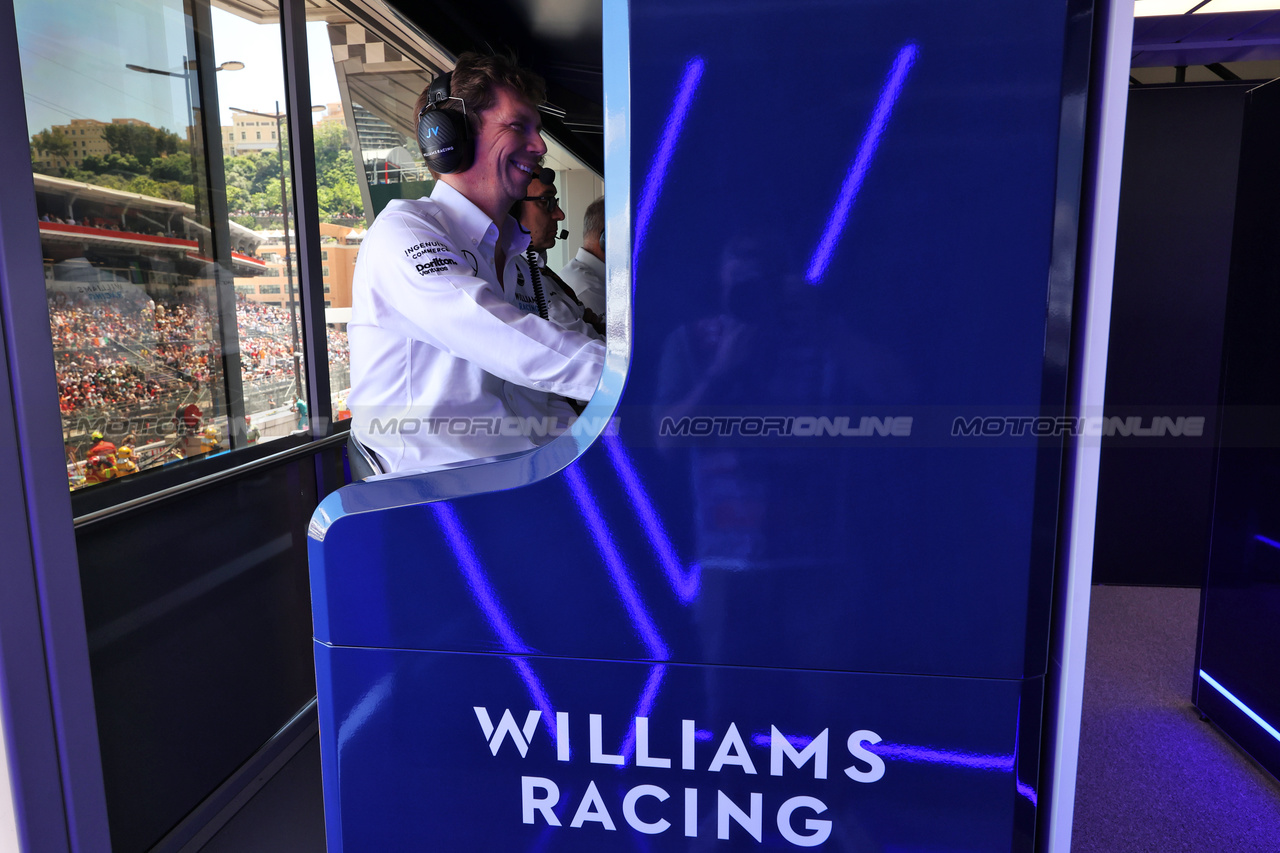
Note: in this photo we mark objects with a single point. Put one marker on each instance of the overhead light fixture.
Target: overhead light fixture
(1153, 8)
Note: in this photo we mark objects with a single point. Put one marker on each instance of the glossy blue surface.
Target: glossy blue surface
(949, 781)
(846, 221)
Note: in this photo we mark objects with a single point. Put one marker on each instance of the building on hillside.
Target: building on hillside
(250, 132)
(339, 246)
(87, 137)
(332, 115)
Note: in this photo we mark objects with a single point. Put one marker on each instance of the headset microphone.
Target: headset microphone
(562, 235)
(444, 134)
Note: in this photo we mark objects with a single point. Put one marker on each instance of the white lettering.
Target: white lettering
(858, 751)
(732, 751)
(598, 755)
(592, 808)
(643, 759)
(562, 735)
(780, 746)
(819, 830)
(688, 734)
(629, 809)
(531, 804)
(507, 726)
(728, 809)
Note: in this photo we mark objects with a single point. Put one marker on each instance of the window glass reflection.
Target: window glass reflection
(162, 350)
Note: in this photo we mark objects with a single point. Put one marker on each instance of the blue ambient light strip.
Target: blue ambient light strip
(487, 600)
(861, 163)
(1273, 543)
(667, 147)
(1253, 715)
(684, 583)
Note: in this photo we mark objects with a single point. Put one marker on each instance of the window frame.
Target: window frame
(101, 498)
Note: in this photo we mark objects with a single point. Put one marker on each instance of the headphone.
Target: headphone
(444, 135)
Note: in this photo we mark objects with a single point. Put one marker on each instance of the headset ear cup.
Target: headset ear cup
(445, 141)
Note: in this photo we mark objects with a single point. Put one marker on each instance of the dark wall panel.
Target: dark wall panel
(1172, 257)
(199, 626)
(1239, 632)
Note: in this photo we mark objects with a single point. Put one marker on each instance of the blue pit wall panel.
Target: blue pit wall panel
(819, 493)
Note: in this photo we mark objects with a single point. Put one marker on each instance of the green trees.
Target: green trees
(53, 143)
(156, 162)
(142, 141)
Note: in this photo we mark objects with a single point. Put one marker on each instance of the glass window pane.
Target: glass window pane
(160, 343)
(367, 152)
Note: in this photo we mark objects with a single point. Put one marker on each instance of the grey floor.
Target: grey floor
(1153, 778)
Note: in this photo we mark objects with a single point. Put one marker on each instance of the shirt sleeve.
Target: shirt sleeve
(423, 288)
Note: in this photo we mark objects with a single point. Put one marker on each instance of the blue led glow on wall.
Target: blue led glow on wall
(1264, 540)
(1249, 712)
(621, 577)
(487, 600)
(662, 158)
(685, 583)
(861, 164)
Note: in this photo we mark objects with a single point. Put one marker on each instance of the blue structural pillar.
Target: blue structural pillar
(797, 590)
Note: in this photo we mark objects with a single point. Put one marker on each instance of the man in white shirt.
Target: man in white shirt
(539, 214)
(585, 273)
(444, 321)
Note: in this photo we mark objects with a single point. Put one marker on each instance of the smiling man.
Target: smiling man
(445, 328)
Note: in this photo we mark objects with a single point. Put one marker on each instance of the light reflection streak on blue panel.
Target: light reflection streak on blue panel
(861, 164)
(1023, 788)
(906, 752)
(1253, 715)
(626, 588)
(1273, 543)
(364, 709)
(487, 600)
(647, 697)
(662, 158)
(765, 740)
(685, 584)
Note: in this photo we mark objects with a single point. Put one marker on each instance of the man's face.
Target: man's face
(536, 219)
(508, 147)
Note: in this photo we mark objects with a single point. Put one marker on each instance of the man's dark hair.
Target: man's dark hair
(593, 219)
(475, 80)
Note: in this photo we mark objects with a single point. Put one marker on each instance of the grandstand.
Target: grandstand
(135, 322)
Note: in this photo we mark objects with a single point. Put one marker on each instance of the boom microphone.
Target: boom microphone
(562, 235)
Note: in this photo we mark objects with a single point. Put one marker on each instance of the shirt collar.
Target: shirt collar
(590, 261)
(474, 224)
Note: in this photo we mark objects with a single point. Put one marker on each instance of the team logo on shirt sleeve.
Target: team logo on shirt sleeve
(427, 247)
(435, 265)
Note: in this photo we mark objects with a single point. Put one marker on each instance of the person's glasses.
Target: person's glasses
(549, 202)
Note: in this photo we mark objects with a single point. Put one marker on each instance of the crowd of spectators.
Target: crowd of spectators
(112, 357)
(91, 381)
(108, 225)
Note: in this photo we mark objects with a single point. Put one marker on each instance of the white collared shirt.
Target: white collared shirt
(436, 334)
(585, 274)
